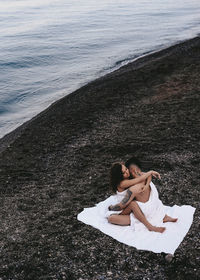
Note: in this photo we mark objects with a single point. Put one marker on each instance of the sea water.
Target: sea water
(49, 48)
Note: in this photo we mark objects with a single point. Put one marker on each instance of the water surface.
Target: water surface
(50, 48)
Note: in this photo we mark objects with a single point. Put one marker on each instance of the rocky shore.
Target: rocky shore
(58, 163)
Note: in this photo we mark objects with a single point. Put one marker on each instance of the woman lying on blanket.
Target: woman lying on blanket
(132, 190)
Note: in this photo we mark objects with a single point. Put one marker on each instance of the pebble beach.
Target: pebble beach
(58, 163)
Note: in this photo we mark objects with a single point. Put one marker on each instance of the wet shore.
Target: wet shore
(57, 164)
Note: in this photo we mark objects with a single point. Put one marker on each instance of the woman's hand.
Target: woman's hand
(155, 174)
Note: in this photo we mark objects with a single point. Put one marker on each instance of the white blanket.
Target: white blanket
(137, 235)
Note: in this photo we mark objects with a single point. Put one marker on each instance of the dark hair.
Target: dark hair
(116, 175)
(133, 160)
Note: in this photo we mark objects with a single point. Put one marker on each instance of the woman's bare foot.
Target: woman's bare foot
(156, 229)
(169, 219)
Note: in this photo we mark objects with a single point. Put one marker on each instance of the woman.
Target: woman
(126, 189)
(119, 177)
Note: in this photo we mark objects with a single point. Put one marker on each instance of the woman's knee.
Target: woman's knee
(111, 219)
(132, 188)
(123, 220)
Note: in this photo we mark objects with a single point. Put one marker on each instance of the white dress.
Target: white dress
(153, 209)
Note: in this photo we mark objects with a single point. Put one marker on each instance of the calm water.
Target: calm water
(50, 48)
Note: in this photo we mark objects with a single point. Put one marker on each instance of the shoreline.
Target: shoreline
(111, 70)
(57, 163)
(12, 135)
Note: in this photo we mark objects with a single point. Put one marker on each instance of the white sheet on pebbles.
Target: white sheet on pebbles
(137, 235)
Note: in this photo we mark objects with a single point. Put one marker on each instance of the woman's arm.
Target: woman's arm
(127, 183)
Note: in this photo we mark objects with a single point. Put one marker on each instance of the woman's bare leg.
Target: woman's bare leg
(122, 220)
(169, 219)
(133, 207)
